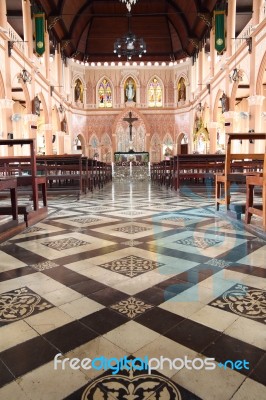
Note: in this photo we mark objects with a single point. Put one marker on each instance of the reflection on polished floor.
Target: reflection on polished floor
(133, 271)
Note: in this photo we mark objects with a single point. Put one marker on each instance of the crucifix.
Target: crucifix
(130, 120)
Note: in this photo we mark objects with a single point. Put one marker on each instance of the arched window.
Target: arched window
(105, 94)
(155, 94)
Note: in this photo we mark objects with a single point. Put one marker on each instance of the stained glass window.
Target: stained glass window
(155, 94)
(105, 94)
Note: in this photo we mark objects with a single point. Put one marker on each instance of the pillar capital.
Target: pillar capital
(256, 100)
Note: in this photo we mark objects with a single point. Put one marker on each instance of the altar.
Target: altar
(136, 158)
(131, 166)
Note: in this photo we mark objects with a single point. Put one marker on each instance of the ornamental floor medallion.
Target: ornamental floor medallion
(131, 265)
(21, 303)
(243, 300)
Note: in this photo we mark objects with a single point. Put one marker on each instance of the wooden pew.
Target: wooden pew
(237, 167)
(34, 181)
(196, 168)
(251, 208)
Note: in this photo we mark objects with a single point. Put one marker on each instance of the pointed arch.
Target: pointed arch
(2, 87)
(105, 92)
(155, 92)
(44, 106)
(259, 83)
(216, 105)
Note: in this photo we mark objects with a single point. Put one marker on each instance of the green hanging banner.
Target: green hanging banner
(39, 33)
(219, 31)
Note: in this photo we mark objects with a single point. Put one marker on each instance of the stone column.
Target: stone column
(3, 17)
(230, 118)
(212, 53)
(256, 121)
(27, 26)
(212, 128)
(257, 6)
(231, 27)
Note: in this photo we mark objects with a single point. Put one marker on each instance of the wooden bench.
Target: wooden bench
(237, 167)
(11, 184)
(195, 168)
(33, 181)
(251, 208)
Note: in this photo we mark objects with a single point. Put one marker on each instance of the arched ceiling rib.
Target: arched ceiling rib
(90, 27)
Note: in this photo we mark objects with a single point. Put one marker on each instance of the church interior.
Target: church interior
(132, 199)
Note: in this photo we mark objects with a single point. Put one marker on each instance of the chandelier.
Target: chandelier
(130, 45)
(129, 3)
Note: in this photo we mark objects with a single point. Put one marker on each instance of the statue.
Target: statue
(78, 91)
(181, 90)
(130, 91)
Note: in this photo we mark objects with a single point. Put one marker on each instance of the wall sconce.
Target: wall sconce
(10, 45)
(52, 88)
(236, 75)
(244, 114)
(61, 108)
(249, 44)
(199, 107)
(24, 76)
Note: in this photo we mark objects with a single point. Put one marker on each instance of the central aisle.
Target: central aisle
(133, 270)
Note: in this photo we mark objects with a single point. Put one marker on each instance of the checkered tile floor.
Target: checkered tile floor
(133, 271)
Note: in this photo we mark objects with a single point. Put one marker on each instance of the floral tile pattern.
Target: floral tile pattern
(219, 263)
(42, 266)
(131, 243)
(85, 220)
(245, 301)
(21, 303)
(32, 229)
(175, 219)
(131, 229)
(200, 242)
(64, 244)
(134, 386)
(131, 307)
(131, 266)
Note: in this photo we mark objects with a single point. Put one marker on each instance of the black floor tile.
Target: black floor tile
(27, 356)
(5, 375)
(88, 286)
(65, 276)
(104, 320)
(259, 372)
(159, 320)
(107, 296)
(192, 335)
(226, 348)
(174, 285)
(70, 336)
(16, 273)
(153, 295)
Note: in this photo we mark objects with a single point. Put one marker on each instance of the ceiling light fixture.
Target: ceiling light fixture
(129, 3)
(130, 45)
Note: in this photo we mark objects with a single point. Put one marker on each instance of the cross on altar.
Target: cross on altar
(130, 120)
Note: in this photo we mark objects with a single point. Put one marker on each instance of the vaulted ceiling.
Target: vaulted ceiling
(87, 29)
